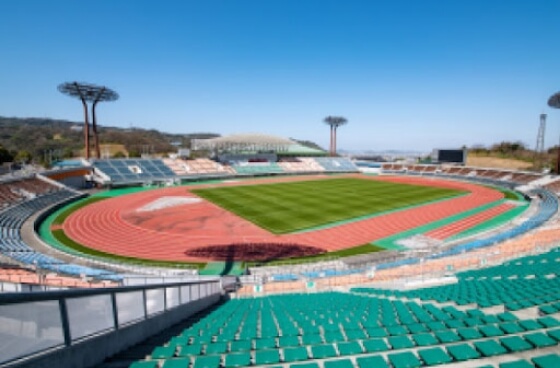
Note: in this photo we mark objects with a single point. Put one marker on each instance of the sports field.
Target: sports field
(283, 208)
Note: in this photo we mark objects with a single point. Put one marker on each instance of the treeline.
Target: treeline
(40, 139)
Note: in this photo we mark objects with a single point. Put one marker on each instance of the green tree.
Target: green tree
(23, 157)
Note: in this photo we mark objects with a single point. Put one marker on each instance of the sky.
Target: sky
(407, 74)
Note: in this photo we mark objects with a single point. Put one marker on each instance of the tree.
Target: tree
(23, 157)
(5, 155)
(334, 122)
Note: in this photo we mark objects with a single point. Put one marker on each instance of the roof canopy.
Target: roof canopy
(244, 143)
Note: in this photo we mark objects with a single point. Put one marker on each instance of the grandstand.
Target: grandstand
(470, 281)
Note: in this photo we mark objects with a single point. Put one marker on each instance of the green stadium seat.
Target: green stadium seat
(163, 352)
(547, 361)
(436, 326)
(490, 331)
(424, 339)
(305, 365)
(548, 321)
(417, 328)
(207, 361)
(241, 345)
(238, 360)
(265, 343)
(489, 348)
(539, 340)
(462, 352)
(354, 334)
(375, 345)
(312, 339)
(555, 334)
(548, 309)
(469, 333)
(295, 354)
(177, 363)
(397, 330)
(376, 332)
(404, 360)
(376, 361)
(400, 342)
(530, 324)
(515, 343)
(288, 341)
(271, 356)
(144, 364)
(334, 336)
(339, 363)
(516, 364)
(349, 348)
(434, 356)
(189, 350)
(511, 327)
(507, 317)
(446, 337)
(323, 351)
(216, 348)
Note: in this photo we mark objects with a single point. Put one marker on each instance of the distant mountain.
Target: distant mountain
(43, 137)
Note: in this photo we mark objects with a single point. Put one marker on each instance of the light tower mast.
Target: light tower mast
(539, 148)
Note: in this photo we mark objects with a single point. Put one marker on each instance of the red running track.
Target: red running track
(116, 226)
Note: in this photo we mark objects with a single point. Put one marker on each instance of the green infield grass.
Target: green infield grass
(283, 208)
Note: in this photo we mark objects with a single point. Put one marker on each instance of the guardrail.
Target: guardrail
(34, 323)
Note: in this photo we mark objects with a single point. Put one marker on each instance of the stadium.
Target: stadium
(268, 253)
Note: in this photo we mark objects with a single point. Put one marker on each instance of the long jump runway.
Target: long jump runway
(166, 223)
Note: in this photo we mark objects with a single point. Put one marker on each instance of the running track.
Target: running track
(115, 226)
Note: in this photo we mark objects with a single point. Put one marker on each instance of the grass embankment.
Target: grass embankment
(283, 208)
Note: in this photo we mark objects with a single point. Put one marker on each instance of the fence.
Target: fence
(33, 323)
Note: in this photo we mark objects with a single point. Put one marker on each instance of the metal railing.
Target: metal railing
(32, 323)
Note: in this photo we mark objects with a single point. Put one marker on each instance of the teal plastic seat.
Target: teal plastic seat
(424, 339)
(288, 341)
(490, 331)
(515, 344)
(516, 364)
(446, 337)
(323, 351)
(271, 356)
(462, 352)
(547, 361)
(539, 340)
(241, 345)
(238, 360)
(144, 364)
(404, 360)
(489, 348)
(400, 342)
(163, 352)
(555, 334)
(216, 348)
(265, 343)
(189, 350)
(434, 356)
(375, 345)
(176, 363)
(375, 361)
(469, 333)
(207, 361)
(349, 348)
(312, 339)
(295, 354)
(339, 363)
(305, 365)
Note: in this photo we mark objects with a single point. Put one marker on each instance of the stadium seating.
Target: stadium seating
(13, 217)
(296, 329)
(336, 164)
(257, 168)
(132, 170)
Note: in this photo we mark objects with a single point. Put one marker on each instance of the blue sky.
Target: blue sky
(410, 75)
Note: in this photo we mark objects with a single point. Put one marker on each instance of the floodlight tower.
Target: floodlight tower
(89, 93)
(554, 101)
(539, 148)
(334, 122)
